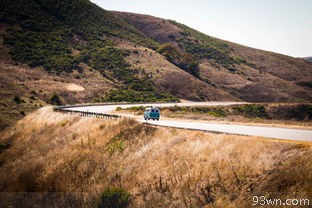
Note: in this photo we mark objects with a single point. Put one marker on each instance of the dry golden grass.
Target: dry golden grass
(160, 167)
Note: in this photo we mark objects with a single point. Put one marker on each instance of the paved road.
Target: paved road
(269, 132)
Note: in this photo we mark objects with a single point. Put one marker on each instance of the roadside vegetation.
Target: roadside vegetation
(89, 162)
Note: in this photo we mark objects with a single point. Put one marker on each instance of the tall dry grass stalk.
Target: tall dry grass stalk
(160, 167)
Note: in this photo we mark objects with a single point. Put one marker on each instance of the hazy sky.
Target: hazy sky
(283, 26)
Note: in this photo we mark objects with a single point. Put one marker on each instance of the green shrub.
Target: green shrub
(308, 111)
(136, 108)
(4, 146)
(33, 92)
(56, 99)
(118, 109)
(251, 111)
(114, 198)
(218, 112)
(213, 111)
(115, 146)
(205, 47)
(105, 58)
(183, 60)
(17, 99)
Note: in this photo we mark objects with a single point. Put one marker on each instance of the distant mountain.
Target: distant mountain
(49, 46)
(308, 58)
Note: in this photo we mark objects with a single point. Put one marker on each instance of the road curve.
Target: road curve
(269, 132)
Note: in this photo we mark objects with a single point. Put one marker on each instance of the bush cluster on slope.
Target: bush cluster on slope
(56, 99)
(114, 197)
(48, 28)
(183, 60)
(128, 95)
(205, 47)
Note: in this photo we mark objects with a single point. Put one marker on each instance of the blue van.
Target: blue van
(151, 113)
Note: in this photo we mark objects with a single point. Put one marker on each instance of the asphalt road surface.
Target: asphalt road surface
(269, 132)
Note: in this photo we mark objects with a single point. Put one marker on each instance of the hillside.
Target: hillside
(75, 158)
(70, 38)
(77, 52)
(247, 73)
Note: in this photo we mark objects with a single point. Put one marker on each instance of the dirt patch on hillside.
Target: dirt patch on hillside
(74, 87)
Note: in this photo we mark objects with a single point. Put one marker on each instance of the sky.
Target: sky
(282, 26)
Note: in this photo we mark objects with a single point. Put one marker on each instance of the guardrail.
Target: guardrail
(92, 114)
(87, 113)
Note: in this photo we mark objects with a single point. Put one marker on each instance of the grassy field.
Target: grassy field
(79, 157)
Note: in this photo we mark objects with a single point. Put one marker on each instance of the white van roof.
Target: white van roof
(149, 108)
